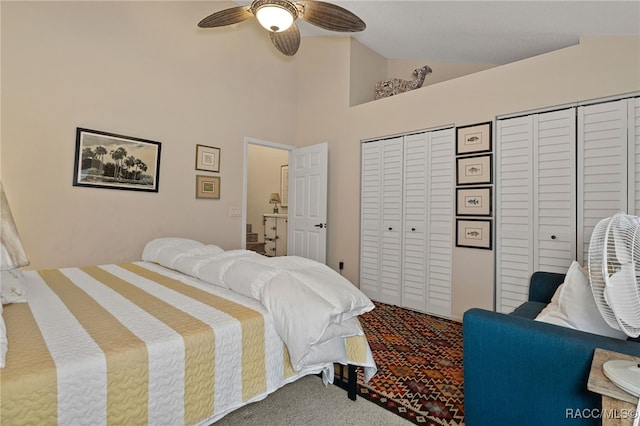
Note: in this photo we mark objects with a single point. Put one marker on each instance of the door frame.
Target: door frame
(245, 172)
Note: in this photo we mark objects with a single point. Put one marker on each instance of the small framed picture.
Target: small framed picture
(474, 138)
(284, 185)
(207, 158)
(474, 233)
(474, 170)
(208, 187)
(474, 201)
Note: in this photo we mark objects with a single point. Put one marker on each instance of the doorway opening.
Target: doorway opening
(265, 174)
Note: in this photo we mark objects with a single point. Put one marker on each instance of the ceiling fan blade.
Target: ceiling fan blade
(287, 41)
(329, 16)
(226, 17)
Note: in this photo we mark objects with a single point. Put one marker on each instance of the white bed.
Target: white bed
(146, 343)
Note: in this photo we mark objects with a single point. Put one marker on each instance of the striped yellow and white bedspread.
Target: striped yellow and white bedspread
(136, 344)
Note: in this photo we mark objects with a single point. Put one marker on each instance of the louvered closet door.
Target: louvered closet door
(381, 220)
(407, 210)
(391, 247)
(428, 221)
(554, 190)
(370, 221)
(414, 256)
(514, 211)
(602, 175)
(536, 193)
(440, 214)
(634, 154)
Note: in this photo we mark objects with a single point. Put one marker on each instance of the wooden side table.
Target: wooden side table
(618, 406)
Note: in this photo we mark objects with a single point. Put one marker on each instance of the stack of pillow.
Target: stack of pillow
(573, 306)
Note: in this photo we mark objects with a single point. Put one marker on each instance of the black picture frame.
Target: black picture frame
(474, 138)
(474, 201)
(474, 170)
(474, 233)
(112, 161)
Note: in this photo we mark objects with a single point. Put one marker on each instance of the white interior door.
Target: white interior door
(307, 230)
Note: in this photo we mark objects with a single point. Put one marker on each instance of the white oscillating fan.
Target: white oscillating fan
(614, 272)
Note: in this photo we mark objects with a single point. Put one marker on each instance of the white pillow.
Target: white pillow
(576, 307)
(193, 259)
(4, 343)
(212, 271)
(248, 277)
(12, 287)
(153, 249)
(348, 301)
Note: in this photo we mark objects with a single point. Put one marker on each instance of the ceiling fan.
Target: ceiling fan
(278, 17)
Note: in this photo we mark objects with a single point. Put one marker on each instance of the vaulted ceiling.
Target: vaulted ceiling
(483, 32)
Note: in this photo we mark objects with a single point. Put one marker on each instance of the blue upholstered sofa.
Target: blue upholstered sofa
(523, 372)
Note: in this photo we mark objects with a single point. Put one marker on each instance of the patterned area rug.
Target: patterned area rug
(419, 361)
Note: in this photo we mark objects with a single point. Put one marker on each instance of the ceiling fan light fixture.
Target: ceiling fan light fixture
(275, 15)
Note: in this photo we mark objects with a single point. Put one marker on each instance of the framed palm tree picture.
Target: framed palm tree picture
(108, 160)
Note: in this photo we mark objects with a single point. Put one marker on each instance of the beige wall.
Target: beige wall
(597, 67)
(144, 69)
(368, 68)
(442, 71)
(263, 178)
(141, 69)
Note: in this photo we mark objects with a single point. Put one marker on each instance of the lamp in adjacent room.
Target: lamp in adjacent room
(275, 199)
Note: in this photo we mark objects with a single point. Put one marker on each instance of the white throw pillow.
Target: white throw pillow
(12, 287)
(576, 307)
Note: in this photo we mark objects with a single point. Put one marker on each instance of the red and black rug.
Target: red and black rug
(419, 360)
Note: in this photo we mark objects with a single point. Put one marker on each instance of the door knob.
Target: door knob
(553, 237)
(320, 225)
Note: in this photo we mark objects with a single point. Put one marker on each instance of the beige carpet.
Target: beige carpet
(307, 402)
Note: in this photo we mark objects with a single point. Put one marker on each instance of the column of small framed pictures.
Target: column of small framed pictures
(208, 160)
(474, 186)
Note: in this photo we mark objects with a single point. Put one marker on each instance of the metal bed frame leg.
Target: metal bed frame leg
(353, 381)
(350, 383)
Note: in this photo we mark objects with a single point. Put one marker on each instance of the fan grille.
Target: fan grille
(614, 270)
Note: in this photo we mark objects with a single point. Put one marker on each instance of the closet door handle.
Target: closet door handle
(390, 229)
(413, 229)
(553, 237)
